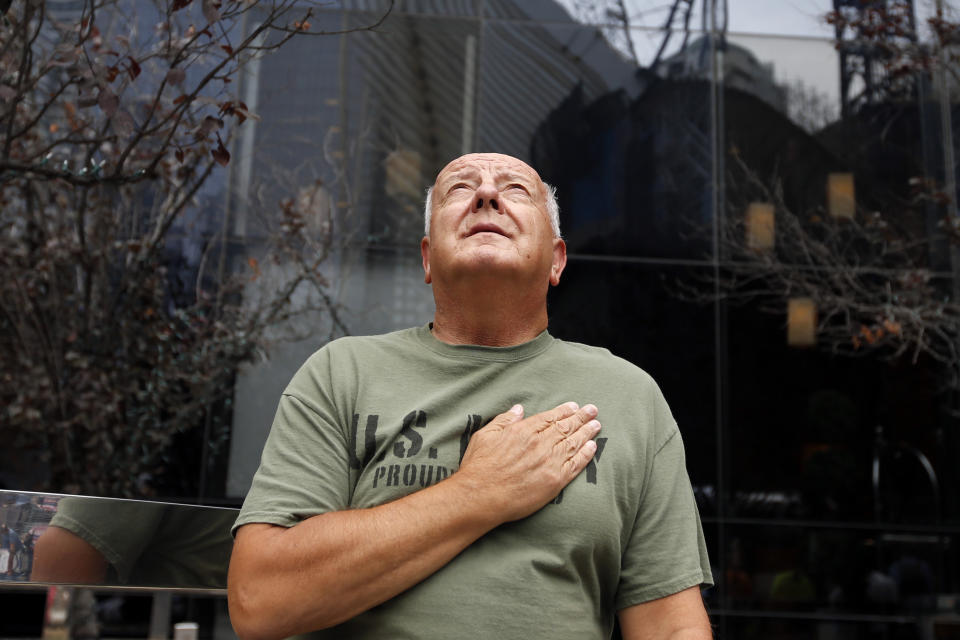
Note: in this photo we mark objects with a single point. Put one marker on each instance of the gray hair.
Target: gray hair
(553, 210)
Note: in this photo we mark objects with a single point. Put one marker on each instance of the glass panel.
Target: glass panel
(292, 147)
(372, 115)
(822, 573)
(818, 436)
(54, 539)
(798, 78)
(884, 246)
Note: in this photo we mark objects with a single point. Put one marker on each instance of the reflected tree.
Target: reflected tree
(881, 278)
(617, 22)
(867, 276)
(122, 319)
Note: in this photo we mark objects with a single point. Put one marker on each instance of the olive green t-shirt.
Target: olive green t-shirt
(367, 420)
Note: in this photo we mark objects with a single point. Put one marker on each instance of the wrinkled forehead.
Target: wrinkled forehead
(492, 163)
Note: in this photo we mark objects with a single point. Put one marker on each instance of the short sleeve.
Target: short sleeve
(120, 534)
(666, 552)
(305, 466)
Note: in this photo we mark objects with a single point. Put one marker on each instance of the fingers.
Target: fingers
(580, 439)
(571, 424)
(559, 417)
(514, 414)
(567, 426)
(576, 463)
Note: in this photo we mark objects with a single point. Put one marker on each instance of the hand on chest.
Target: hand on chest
(395, 455)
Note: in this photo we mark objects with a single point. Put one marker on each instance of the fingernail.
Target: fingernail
(594, 425)
(517, 409)
(573, 406)
(591, 409)
(590, 445)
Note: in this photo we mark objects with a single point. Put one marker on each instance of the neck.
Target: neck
(495, 318)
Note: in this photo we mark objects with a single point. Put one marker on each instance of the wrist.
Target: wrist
(481, 505)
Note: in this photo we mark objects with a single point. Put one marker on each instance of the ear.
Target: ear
(559, 260)
(425, 256)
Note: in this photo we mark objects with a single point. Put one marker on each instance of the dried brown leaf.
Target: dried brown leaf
(210, 124)
(133, 68)
(220, 154)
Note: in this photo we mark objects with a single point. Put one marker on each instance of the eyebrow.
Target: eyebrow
(516, 177)
(460, 174)
(503, 176)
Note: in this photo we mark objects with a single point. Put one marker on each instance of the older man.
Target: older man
(384, 508)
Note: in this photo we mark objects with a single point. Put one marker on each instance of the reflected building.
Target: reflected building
(739, 67)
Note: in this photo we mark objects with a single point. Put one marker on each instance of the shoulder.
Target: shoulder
(601, 359)
(343, 359)
(349, 348)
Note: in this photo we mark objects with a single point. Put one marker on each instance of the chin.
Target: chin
(493, 254)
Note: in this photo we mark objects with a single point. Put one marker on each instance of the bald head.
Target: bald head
(503, 165)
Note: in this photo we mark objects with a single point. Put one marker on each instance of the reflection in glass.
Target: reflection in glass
(760, 226)
(833, 571)
(841, 201)
(104, 541)
(801, 322)
(800, 76)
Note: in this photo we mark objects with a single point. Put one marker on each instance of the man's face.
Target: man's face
(489, 218)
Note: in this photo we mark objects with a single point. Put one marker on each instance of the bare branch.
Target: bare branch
(117, 343)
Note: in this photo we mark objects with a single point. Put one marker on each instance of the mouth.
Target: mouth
(486, 227)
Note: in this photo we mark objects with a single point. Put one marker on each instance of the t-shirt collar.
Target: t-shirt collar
(521, 351)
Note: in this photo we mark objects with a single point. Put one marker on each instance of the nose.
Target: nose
(486, 196)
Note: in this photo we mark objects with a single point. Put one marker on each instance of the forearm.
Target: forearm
(334, 566)
(62, 556)
(692, 634)
(680, 616)
(698, 632)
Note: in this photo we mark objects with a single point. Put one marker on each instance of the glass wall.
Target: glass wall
(825, 474)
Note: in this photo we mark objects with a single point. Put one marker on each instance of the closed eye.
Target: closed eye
(515, 188)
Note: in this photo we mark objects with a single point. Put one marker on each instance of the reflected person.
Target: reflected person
(128, 542)
(388, 503)
(8, 549)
